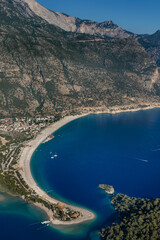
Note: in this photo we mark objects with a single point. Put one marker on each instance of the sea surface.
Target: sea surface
(122, 150)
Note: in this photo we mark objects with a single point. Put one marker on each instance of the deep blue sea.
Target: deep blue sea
(122, 150)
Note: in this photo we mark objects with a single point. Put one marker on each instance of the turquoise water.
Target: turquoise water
(122, 150)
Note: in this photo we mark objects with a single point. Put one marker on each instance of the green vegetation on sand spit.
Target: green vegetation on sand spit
(15, 185)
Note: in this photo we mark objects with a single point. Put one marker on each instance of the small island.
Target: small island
(107, 188)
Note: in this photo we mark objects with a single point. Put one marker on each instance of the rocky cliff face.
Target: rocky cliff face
(46, 70)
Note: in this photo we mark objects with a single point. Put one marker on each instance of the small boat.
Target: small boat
(52, 157)
(55, 155)
(45, 222)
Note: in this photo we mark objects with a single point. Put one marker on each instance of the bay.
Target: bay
(122, 150)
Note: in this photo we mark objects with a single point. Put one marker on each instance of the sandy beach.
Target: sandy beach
(24, 164)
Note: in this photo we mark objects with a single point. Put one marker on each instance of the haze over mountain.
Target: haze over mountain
(46, 70)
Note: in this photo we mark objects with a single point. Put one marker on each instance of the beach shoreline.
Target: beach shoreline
(24, 165)
(31, 146)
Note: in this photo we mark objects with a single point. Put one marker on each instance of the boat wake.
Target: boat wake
(155, 150)
(142, 160)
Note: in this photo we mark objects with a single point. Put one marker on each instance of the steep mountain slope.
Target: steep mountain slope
(104, 29)
(45, 70)
(152, 45)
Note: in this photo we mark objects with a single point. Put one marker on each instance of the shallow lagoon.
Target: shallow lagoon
(122, 150)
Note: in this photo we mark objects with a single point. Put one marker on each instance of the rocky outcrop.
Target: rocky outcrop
(107, 188)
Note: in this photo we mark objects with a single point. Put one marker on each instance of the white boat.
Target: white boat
(45, 222)
(55, 155)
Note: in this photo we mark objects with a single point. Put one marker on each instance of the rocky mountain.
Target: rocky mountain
(73, 24)
(46, 70)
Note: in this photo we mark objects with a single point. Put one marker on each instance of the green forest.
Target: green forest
(139, 218)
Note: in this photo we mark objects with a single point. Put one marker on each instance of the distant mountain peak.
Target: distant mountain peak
(109, 22)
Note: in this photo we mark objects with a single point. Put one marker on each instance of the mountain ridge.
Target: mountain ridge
(75, 24)
(70, 22)
(103, 29)
(46, 70)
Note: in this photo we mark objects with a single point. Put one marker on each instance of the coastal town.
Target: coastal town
(14, 132)
(28, 125)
